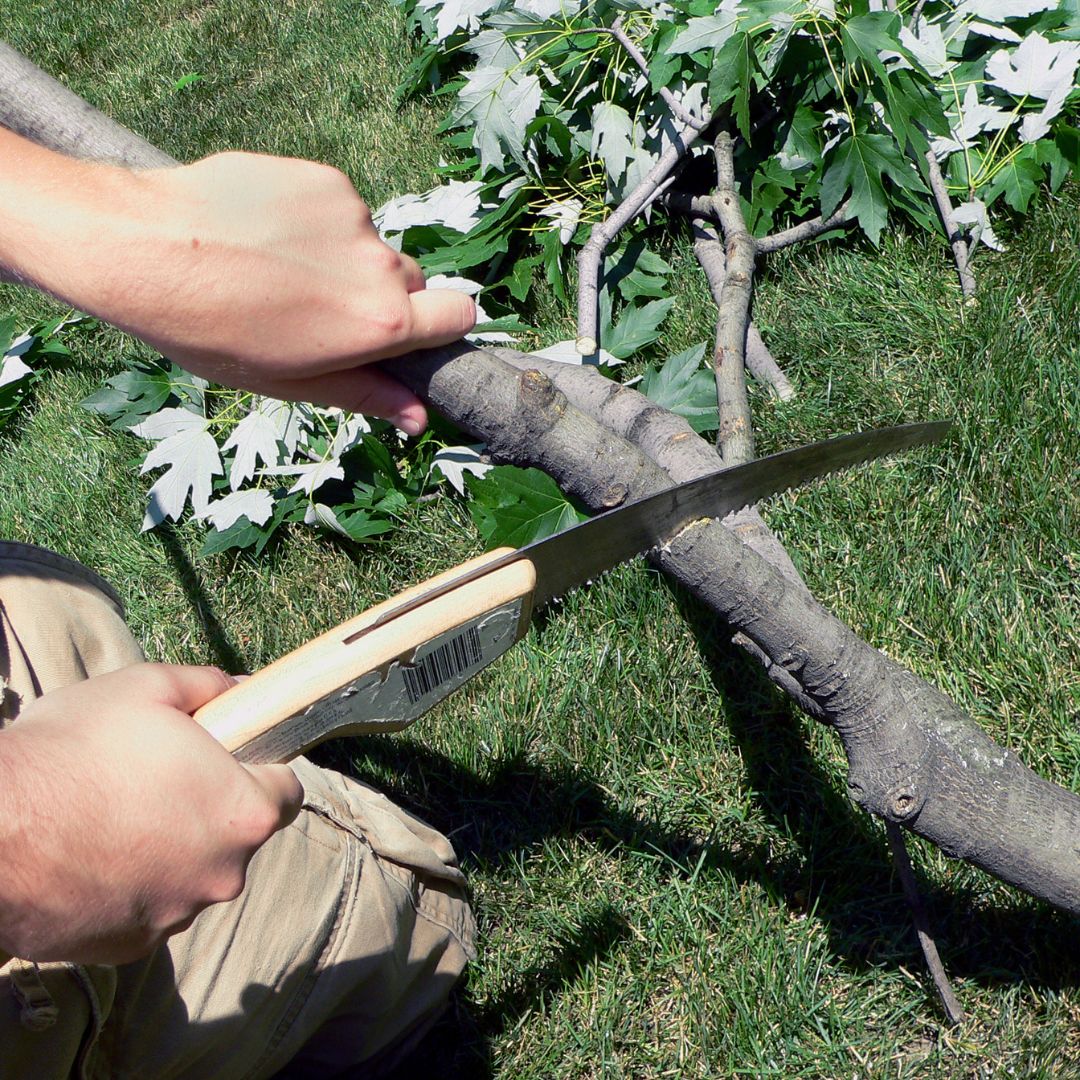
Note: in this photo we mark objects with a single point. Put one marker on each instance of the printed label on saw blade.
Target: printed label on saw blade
(392, 698)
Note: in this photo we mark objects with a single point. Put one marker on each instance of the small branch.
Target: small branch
(806, 230)
(592, 253)
(735, 439)
(695, 205)
(760, 361)
(953, 1010)
(678, 110)
(702, 206)
(656, 181)
(956, 240)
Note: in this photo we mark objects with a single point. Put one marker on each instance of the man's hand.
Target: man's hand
(258, 272)
(121, 818)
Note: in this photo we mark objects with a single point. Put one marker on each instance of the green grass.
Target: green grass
(669, 878)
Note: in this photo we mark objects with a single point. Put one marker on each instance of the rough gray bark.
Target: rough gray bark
(40, 108)
(655, 182)
(735, 439)
(914, 757)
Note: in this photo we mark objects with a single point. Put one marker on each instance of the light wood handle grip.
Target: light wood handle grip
(354, 680)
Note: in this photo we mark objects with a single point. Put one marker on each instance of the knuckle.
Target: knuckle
(334, 178)
(395, 321)
(227, 885)
(383, 257)
(363, 212)
(156, 680)
(265, 821)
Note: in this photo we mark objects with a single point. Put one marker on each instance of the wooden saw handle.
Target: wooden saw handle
(354, 680)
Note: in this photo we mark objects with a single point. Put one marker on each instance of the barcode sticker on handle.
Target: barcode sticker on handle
(393, 696)
(446, 662)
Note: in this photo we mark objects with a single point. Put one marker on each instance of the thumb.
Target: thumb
(440, 316)
(283, 788)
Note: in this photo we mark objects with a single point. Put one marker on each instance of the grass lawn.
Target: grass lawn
(669, 878)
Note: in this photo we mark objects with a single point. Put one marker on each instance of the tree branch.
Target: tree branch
(953, 1010)
(806, 230)
(592, 252)
(678, 110)
(914, 757)
(961, 254)
(760, 361)
(735, 438)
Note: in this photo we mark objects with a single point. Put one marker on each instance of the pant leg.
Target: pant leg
(342, 948)
(59, 623)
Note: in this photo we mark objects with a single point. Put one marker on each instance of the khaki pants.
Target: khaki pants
(340, 952)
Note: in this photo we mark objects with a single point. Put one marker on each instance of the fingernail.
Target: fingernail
(409, 425)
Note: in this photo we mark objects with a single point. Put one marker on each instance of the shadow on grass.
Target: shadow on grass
(461, 1040)
(222, 648)
(843, 871)
(846, 873)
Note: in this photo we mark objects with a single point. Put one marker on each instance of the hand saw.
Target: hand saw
(382, 669)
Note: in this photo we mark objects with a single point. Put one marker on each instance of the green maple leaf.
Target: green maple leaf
(732, 78)
(910, 106)
(1018, 179)
(684, 387)
(860, 165)
(865, 36)
(513, 506)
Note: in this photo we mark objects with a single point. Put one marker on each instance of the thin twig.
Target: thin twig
(735, 439)
(956, 240)
(949, 1002)
(592, 253)
(677, 108)
(806, 230)
(916, 12)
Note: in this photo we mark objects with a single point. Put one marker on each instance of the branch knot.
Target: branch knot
(540, 393)
(902, 803)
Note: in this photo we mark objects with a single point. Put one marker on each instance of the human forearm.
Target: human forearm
(259, 272)
(52, 210)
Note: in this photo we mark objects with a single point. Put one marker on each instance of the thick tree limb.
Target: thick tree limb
(665, 438)
(38, 107)
(914, 757)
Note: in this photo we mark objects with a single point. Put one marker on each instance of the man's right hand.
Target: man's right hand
(121, 818)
